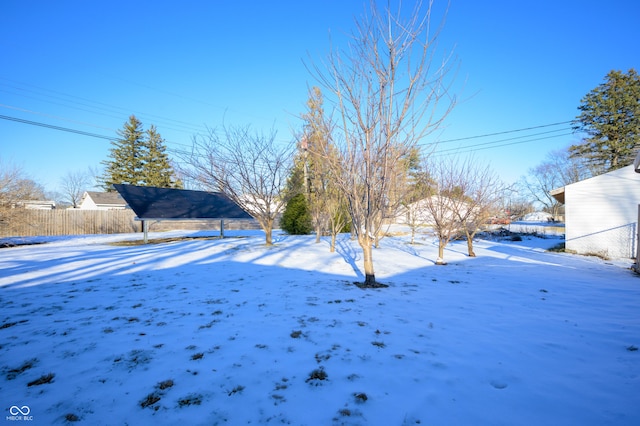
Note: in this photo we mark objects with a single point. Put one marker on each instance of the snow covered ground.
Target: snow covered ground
(210, 331)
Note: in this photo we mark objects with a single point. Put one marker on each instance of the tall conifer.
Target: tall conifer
(126, 156)
(156, 169)
(139, 157)
(610, 117)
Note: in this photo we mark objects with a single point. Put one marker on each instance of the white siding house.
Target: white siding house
(102, 201)
(36, 204)
(601, 214)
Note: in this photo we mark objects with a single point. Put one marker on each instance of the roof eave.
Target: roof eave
(558, 194)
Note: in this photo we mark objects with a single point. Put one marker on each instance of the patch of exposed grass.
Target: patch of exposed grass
(195, 399)
(70, 417)
(360, 397)
(197, 356)
(150, 399)
(379, 344)
(27, 365)
(558, 248)
(161, 241)
(237, 389)
(317, 375)
(208, 325)
(42, 380)
(322, 357)
(296, 334)
(374, 285)
(165, 384)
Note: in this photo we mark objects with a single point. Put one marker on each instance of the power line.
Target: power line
(55, 117)
(564, 129)
(51, 126)
(107, 110)
(505, 132)
(464, 150)
(476, 147)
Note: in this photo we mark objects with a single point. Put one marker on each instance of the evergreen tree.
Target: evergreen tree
(156, 169)
(138, 158)
(126, 156)
(295, 218)
(610, 116)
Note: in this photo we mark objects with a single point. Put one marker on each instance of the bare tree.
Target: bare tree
(10, 176)
(559, 169)
(15, 187)
(250, 168)
(388, 95)
(480, 190)
(73, 185)
(444, 197)
(315, 141)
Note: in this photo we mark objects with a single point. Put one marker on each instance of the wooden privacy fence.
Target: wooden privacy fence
(25, 223)
(28, 223)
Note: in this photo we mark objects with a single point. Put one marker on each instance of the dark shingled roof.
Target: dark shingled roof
(149, 202)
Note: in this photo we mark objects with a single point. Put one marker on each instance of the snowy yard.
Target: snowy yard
(210, 331)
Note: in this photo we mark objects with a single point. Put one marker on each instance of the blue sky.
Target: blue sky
(188, 65)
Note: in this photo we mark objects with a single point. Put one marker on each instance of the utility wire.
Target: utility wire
(476, 147)
(51, 126)
(505, 132)
(464, 150)
(564, 129)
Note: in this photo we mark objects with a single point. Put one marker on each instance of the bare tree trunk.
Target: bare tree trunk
(367, 253)
(318, 234)
(268, 239)
(332, 248)
(267, 227)
(470, 244)
(441, 245)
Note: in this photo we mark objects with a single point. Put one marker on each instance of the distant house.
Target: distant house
(102, 201)
(36, 204)
(419, 211)
(601, 213)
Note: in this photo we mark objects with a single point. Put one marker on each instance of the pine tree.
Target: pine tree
(139, 158)
(610, 116)
(126, 156)
(156, 169)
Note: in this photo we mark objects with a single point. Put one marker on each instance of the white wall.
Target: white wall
(602, 214)
(88, 204)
